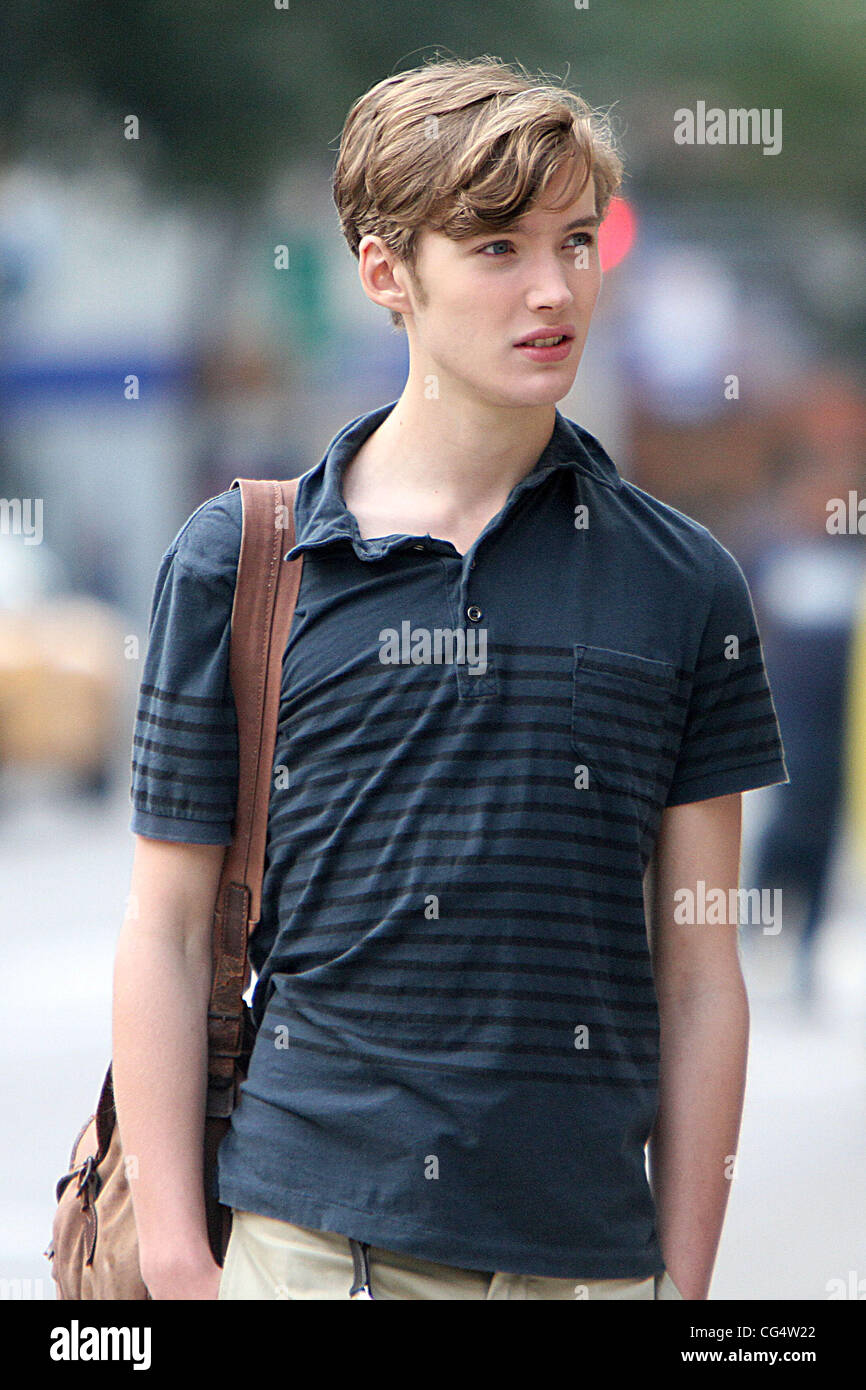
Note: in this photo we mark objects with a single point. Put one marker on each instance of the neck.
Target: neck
(457, 448)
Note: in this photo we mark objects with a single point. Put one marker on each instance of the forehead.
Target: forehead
(541, 216)
(539, 220)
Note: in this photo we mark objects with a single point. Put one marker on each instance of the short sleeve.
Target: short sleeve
(184, 747)
(731, 740)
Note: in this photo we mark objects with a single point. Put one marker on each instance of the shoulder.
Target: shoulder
(209, 541)
(656, 533)
(690, 546)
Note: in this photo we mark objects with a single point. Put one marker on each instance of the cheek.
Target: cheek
(588, 282)
(464, 320)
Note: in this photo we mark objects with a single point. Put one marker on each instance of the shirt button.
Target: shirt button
(473, 613)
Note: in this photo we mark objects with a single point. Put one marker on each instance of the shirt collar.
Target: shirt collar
(322, 517)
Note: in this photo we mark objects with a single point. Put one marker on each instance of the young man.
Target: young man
(520, 696)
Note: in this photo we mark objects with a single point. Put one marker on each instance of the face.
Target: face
(480, 297)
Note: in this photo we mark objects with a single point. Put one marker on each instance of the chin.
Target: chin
(546, 389)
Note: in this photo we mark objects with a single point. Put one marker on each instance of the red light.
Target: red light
(616, 235)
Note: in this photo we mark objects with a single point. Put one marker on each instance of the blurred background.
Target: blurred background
(153, 159)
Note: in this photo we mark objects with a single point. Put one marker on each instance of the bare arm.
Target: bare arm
(162, 978)
(704, 1016)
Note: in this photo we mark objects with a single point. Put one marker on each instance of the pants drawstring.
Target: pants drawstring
(361, 1269)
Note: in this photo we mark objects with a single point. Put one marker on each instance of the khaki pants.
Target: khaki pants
(270, 1259)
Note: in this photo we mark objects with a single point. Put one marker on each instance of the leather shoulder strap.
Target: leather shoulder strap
(266, 591)
(265, 596)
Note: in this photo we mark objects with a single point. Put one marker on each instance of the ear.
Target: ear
(382, 275)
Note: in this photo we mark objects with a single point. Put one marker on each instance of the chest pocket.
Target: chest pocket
(622, 720)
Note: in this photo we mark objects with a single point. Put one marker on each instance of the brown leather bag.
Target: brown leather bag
(94, 1249)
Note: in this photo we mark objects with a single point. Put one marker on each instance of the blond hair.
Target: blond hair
(463, 147)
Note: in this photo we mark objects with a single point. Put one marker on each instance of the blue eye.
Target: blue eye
(587, 241)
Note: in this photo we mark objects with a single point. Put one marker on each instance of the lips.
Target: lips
(556, 330)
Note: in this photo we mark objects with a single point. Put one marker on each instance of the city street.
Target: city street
(797, 1214)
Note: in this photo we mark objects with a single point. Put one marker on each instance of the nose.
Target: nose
(550, 289)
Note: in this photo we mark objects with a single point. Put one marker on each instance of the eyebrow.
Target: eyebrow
(591, 221)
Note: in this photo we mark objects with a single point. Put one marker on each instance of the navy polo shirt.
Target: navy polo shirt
(458, 1040)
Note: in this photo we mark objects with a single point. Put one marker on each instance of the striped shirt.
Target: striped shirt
(458, 1040)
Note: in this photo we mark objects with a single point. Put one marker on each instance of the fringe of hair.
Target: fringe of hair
(464, 146)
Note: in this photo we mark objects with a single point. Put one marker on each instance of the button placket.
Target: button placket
(477, 686)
